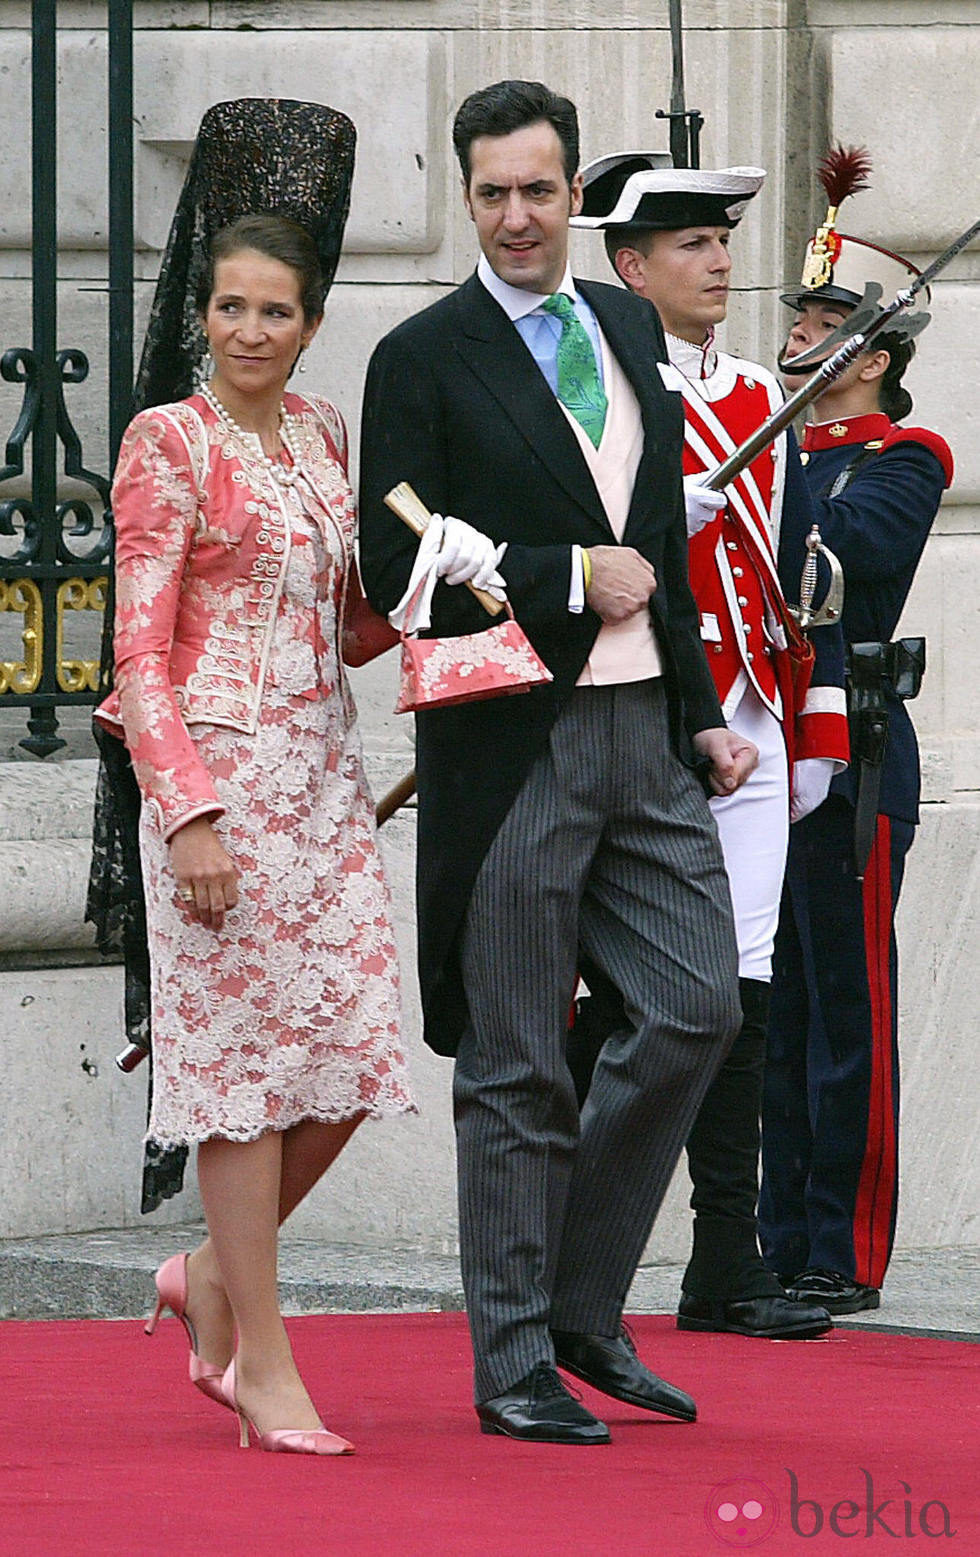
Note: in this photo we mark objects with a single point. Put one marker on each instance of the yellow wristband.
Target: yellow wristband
(586, 570)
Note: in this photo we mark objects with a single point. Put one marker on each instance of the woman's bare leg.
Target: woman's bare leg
(240, 1185)
(308, 1149)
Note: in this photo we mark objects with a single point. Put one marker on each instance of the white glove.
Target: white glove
(424, 573)
(700, 504)
(811, 781)
(434, 559)
(469, 556)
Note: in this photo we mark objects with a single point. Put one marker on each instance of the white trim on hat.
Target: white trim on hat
(739, 182)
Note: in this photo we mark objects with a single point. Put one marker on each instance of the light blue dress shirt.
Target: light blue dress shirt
(541, 331)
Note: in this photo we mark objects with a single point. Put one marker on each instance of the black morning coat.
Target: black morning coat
(455, 404)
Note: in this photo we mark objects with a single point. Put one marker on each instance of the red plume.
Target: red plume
(843, 171)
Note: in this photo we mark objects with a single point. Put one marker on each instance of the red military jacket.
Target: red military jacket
(733, 564)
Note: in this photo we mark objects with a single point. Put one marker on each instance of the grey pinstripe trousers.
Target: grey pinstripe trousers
(610, 847)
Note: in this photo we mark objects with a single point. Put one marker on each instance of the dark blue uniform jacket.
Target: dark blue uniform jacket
(878, 526)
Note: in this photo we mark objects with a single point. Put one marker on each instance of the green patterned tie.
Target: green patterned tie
(579, 385)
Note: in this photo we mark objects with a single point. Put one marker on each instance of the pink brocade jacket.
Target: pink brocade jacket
(202, 543)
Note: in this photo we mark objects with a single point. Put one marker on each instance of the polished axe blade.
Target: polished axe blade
(856, 323)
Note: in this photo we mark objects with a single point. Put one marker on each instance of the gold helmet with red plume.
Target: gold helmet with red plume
(837, 266)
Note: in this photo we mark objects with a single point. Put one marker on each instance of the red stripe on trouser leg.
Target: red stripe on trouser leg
(876, 1187)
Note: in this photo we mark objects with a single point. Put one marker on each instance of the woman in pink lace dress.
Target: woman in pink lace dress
(276, 1020)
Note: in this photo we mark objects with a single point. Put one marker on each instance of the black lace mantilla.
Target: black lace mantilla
(253, 154)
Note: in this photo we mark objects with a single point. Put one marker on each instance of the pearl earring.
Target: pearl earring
(205, 370)
(301, 360)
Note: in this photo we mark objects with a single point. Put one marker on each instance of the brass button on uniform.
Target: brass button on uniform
(743, 600)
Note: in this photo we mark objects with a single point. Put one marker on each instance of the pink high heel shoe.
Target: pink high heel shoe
(171, 1285)
(316, 1440)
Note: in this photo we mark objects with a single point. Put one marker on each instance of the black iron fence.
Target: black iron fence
(56, 554)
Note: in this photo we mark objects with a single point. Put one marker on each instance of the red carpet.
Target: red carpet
(105, 1449)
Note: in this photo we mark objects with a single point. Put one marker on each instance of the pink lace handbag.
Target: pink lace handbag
(438, 672)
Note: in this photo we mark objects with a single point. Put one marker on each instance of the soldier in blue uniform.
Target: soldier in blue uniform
(830, 1115)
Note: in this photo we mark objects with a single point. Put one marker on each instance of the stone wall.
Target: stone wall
(775, 79)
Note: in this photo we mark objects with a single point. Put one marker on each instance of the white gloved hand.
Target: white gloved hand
(469, 556)
(467, 549)
(811, 781)
(700, 504)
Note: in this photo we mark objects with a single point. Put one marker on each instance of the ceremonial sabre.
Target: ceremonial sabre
(833, 601)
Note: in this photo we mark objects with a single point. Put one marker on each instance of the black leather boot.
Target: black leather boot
(726, 1285)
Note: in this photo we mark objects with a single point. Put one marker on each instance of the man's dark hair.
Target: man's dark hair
(626, 237)
(276, 237)
(512, 105)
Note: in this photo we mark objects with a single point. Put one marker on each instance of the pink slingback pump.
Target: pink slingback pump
(283, 1440)
(171, 1285)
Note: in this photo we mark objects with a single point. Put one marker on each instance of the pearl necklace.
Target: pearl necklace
(288, 428)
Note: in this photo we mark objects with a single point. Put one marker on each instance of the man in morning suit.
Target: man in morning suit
(569, 817)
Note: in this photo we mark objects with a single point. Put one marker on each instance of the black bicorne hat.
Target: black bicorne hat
(643, 190)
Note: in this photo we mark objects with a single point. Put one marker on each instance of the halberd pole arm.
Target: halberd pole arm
(768, 431)
(851, 347)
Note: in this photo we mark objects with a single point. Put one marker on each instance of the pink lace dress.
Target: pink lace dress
(292, 1011)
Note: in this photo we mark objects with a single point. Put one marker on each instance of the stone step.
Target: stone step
(109, 1275)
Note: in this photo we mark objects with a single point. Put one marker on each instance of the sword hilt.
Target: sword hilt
(829, 611)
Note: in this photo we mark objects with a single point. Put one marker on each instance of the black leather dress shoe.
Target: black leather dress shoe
(768, 1318)
(836, 1293)
(539, 1409)
(610, 1364)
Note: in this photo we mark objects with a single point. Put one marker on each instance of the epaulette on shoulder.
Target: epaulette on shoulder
(929, 440)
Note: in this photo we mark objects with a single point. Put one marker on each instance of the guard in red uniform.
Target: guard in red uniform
(667, 235)
(830, 1120)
